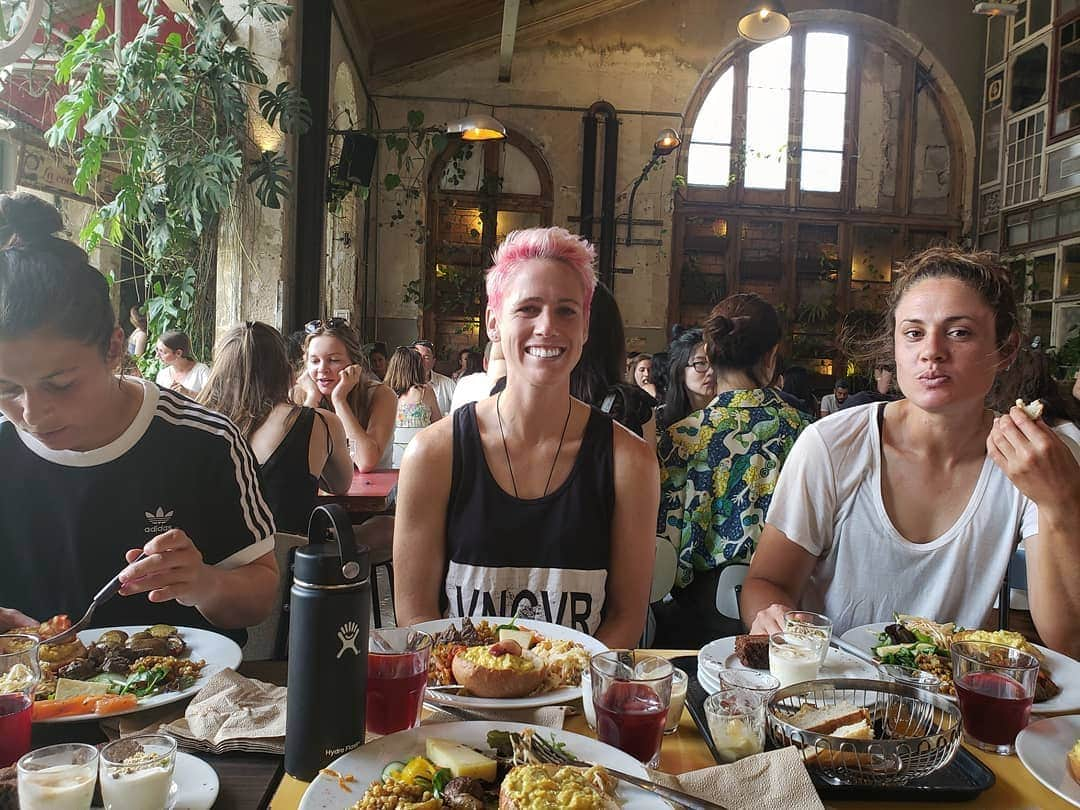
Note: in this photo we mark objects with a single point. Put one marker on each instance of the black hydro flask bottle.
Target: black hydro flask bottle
(328, 642)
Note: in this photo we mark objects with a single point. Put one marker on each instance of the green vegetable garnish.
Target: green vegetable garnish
(438, 782)
(513, 622)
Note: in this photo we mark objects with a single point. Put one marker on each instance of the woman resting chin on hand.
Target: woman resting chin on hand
(104, 460)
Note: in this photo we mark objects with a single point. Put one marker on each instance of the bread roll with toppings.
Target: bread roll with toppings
(502, 670)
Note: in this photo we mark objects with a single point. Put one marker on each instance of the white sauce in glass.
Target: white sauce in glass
(57, 787)
(792, 663)
(137, 789)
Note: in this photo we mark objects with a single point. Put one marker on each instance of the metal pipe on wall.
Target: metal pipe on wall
(606, 243)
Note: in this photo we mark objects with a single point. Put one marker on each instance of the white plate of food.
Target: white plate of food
(161, 682)
(720, 654)
(1064, 671)
(1044, 748)
(565, 653)
(363, 766)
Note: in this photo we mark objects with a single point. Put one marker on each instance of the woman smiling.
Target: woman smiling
(916, 506)
(530, 501)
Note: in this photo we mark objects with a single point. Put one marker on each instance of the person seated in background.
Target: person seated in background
(641, 374)
(462, 366)
(105, 469)
(378, 359)
(336, 379)
(136, 344)
(692, 380)
(416, 405)
(180, 371)
(294, 445)
(597, 378)
(477, 385)
(795, 384)
(916, 506)
(531, 502)
(719, 466)
(830, 403)
(442, 385)
(881, 392)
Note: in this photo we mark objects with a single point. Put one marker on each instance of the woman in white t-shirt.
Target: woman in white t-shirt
(916, 506)
(180, 371)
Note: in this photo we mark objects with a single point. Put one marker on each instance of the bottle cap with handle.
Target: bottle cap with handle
(330, 608)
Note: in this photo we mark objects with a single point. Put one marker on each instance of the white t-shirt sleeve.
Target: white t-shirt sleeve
(199, 375)
(804, 504)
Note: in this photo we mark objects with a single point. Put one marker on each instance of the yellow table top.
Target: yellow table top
(1015, 788)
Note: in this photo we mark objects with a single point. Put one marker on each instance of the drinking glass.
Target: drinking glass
(631, 692)
(678, 698)
(59, 777)
(995, 685)
(794, 657)
(751, 681)
(737, 724)
(19, 674)
(396, 680)
(805, 623)
(137, 772)
(910, 676)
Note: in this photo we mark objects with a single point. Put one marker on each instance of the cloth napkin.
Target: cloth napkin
(773, 779)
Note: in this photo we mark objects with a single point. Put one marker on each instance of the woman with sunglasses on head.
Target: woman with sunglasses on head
(295, 446)
(719, 466)
(337, 379)
(916, 506)
(109, 468)
(530, 501)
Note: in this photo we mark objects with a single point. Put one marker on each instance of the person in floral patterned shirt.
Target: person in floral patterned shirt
(718, 468)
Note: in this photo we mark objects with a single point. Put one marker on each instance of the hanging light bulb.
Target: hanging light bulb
(764, 21)
(477, 127)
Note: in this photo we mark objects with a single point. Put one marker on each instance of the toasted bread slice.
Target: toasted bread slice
(827, 719)
(586, 788)
(1074, 761)
(1032, 409)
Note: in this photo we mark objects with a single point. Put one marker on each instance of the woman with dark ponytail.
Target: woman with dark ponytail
(719, 465)
(110, 468)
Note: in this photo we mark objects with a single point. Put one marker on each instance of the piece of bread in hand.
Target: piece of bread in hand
(1074, 761)
(553, 787)
(1032, 409)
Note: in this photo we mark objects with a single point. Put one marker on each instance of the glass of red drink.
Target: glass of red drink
(19, 674)
(631, 691)
(995, 685)
(396, 679)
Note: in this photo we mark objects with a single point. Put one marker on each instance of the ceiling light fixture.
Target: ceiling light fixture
(477, 127)
(764, 21)
(996, 9)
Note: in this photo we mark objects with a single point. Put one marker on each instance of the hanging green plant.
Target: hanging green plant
(170, 117)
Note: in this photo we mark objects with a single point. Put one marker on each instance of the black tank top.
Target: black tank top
(287, 483)
(545, 559)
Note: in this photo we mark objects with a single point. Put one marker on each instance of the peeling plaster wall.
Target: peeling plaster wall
(254, 276)
(879, 129)
(647, 57)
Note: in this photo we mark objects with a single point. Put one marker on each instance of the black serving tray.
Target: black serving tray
(962, 780)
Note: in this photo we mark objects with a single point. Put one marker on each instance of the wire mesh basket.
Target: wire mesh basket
(915, 732)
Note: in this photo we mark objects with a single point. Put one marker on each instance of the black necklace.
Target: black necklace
(554, 461)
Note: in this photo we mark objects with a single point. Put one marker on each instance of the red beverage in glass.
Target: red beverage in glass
(631, 717)
(993, 706)
(14, 727)
(395, 691)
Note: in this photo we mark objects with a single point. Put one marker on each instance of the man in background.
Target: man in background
(830, 403)
(442, 385)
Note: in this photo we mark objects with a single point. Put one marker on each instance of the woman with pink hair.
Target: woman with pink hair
(531, 502)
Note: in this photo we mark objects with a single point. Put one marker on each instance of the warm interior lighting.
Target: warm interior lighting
(477, 128)
(764, 21)
(666, 142)
(996, 9)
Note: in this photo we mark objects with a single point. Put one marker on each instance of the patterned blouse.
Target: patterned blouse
(718, 469)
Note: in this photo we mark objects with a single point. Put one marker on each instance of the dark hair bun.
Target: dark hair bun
(740, 331)
(26, 219)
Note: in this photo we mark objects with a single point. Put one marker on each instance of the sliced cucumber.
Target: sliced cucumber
(395, 767)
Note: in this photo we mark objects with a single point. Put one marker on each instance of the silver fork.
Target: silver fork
(546, 752)
(102, 596)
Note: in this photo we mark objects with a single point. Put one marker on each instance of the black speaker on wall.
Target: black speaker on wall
(357, 158)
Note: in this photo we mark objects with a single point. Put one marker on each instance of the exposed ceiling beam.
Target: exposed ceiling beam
(569, 13)
(509, 32)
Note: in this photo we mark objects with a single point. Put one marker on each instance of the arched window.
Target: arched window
(813, 164)
(477, 194)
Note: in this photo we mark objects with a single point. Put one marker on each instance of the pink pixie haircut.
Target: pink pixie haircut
(541, 243)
